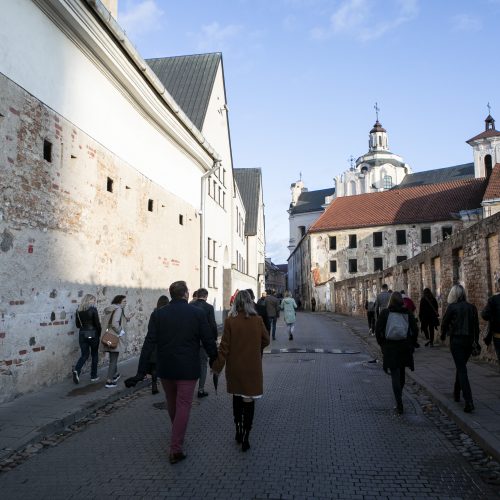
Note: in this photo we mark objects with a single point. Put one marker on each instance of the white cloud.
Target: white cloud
(138, 18)
(214, 37)
(466, 22)
(365, 19)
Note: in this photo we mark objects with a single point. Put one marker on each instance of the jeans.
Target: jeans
(113, 365)
(272, 323)
(461, 349)
(88, 346)
(428, 330)
(398, 377)
(179, 395)
(203, 369)
(371, 320)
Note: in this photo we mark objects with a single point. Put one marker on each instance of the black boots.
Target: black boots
(238, 418)
(248, 412)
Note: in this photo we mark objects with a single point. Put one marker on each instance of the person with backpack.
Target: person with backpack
(396, 330)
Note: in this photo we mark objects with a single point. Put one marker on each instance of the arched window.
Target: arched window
(380, 140)
(352, 187)
(487, 165)
(387, 182)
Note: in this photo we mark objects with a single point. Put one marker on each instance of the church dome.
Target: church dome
(377, 128)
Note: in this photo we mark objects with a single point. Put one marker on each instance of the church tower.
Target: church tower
(378, 138)
(486, 147)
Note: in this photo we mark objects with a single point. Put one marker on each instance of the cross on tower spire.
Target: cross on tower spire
(489, 108)
(377, 109)
(300, 175)
(351, 160)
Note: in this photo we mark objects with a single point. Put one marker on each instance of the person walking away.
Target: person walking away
(370, 313)
(194, 298)
(114, 318)
(177, 331)
(491, 313)
(411, 308)
(288, 306)
(395, 331)
(87, 320)
(461, 324)
(208, 309)
(273, 311)
(313, 304)
(243, 341)
(382, 300)
(260, 308)
(428, 315)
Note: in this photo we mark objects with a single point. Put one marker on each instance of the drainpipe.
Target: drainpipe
(204, 177)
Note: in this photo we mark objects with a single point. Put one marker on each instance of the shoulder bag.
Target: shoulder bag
(110, 338)
(88, 334)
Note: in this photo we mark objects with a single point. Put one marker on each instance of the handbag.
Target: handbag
(110, 338)
(86, 334)
(476, 349)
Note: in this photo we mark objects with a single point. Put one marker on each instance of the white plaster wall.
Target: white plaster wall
(43, 60)
(296, 220)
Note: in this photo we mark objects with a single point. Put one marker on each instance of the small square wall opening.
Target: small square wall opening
(150, 205)
(181, 219)
(109, 185)
(47, 150)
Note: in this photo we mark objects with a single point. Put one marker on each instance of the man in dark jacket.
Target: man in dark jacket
(273, 310)
(491, 313)
(208, 309)
(177, 331)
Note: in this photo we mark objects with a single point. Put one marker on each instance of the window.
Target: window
(400, 258)
(181, 219)
(425, 235)
(224, 176)
(333, 266)
(223, 200)
(209, 184)
(387, 182)
(213, 250)
(150, 205)
(213, 277)
(401, 237)
(333, 242)
(378, 263)
(377, 239)
(214, 185)
(353, 265)
(219, 197)
(353, 242)
(47, 151)
(209, 245)
(109, 185)
(209, 275)
(447, 231)
(302, 230)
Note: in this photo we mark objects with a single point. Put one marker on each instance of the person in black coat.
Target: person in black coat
(491, 313)
(397, 354)
(260, 307)
(177, 331)
(208, 309)
(461, 324)
(428, 314)
(87, 320)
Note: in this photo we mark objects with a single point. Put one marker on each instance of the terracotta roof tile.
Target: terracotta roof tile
(493, 190)
(428, 203)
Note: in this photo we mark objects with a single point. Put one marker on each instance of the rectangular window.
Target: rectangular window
(401, 237)
(223, 200)
(377, 239)
(224, 177)
(447, 231)
(213, 277)
(333, 242)
(150, 205)
(209, 276)
(400, 258)
(109, 185)
(47, 151)
(213, 250)
(378, 263)
(333, 266)
(209, 185)
(219, 197)
(181, 219)
(209, 245)
(353, 265)
(302, 230)
(425, 235)
(353, 241)
(214, 185)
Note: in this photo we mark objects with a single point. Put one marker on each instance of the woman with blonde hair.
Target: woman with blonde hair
(461, 324)
(87, 320)
(240, 350)
(288, 306)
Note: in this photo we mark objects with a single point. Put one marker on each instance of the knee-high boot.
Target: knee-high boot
(248, 412)
(238, 418)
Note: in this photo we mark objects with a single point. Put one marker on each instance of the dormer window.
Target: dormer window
(387, 182)
(364, 170)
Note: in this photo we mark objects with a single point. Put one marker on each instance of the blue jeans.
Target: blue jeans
(88, 347)
(272, 322)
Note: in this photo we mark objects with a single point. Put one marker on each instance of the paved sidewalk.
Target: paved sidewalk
(435, 372)
(34, 416)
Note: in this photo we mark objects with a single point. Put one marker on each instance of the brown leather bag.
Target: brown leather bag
(110, 338)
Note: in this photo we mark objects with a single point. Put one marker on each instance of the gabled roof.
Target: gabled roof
(189, 80)
(428, 203)
(455, 173)
(249, 184)
(493, 189)
(311, 201)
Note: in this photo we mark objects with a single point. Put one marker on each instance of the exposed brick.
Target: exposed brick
(8, 362)
(14, 111)
(36, 349)
(43, 324)
(71, 333)
(42, 348)
(2, 335)
(23, 352)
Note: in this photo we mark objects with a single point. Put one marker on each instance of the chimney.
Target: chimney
(296, 188)
(112, 6)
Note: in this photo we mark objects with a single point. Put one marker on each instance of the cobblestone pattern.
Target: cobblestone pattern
(325, 429)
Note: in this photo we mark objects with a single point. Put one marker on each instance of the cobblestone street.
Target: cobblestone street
(324, 429)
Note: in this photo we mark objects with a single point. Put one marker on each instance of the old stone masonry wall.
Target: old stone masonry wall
(75, 219)
(470, 257)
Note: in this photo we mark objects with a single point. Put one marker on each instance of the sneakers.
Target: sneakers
(76, 377)
(202, 394)
(95, 379)
(110, 384)
(176, 457)
(116, 378)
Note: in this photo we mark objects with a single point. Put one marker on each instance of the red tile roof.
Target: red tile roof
(428, 203)
(493, 190)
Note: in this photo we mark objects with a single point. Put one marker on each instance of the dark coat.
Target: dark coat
(240, 351)
(261, 309)
(461, 320)
(428, 312)
(88, 320)
(210, 313)
(177, 331)
(396, 353)
(491, 313)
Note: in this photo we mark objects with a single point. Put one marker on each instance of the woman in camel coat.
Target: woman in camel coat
(240, 350)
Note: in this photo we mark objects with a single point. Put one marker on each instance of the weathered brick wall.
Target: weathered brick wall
(62, 235)
(470, 257)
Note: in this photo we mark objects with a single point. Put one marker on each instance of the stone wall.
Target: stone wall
(470, 257)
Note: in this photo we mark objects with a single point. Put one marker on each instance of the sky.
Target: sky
(303, 76)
